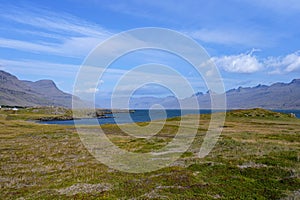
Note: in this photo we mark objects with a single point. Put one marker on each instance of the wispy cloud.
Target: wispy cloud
(249, 63)
(40, 68)
(74, 37)
(285, 64)
(63, 74)
(28, 46)
(230, 37)
(215, 22)
(62, 23)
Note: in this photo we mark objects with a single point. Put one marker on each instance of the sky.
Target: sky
(251, 42)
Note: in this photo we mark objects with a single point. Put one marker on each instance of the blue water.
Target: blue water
(143, 116)
(137, 116)
(296, 112)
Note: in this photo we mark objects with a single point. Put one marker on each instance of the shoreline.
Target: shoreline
(144, 116)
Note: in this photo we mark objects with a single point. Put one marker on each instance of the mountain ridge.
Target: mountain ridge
(15, 92)
(276, 96)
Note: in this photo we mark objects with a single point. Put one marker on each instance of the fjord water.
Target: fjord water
(296, 112)
(130, 117)
(144, 116)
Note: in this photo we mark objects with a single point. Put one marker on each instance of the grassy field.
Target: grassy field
(256, 157)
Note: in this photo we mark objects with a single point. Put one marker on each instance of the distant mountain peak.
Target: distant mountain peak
(275, 96)
(295, 81)
(197, 94)
(5, 75)
(260, 86)
(210, 92)
(15, 92)
(46, 83)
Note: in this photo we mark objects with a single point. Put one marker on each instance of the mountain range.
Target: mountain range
(276, 96)
(15, 92)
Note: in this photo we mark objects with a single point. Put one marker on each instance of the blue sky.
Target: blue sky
(252, 42)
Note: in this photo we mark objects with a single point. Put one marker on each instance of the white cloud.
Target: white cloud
(242, 63)
(69, 47)
(73, 37)
(288, 63)
(63, 74)
(40, 68)
(23, 45)
(54, 22)
(89, 91)
(79, 46)
(249, 63)
(293, 62)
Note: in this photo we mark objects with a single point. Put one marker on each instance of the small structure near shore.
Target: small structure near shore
(13, 108)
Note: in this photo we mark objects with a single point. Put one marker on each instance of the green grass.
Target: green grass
(256, 157)
(36, 113)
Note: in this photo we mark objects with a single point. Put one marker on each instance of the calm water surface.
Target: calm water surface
(143, 116)
(137, 116)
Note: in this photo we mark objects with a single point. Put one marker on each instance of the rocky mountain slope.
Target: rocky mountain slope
(15, 92)
(275, 96)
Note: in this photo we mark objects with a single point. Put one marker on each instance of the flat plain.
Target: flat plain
(256, 157)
